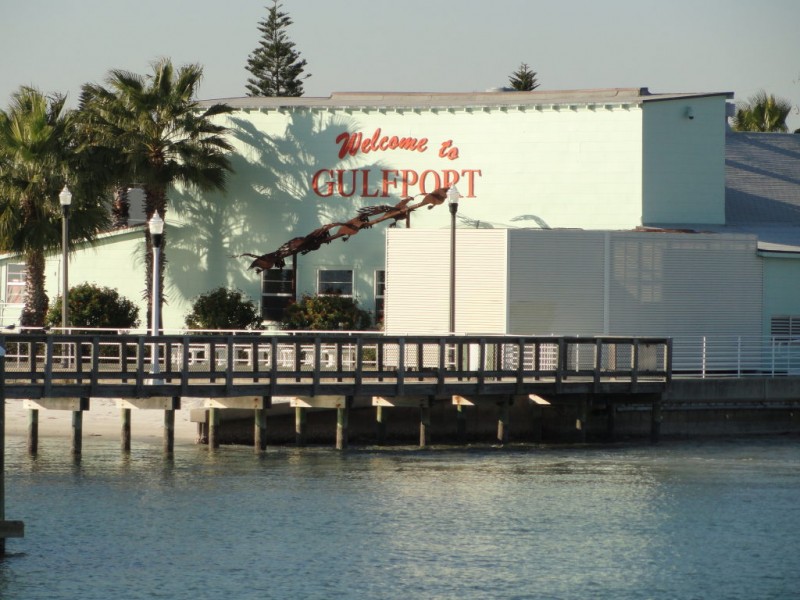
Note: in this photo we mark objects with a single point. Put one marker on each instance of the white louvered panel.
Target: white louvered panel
(684, 284)
(418, 281)
(481, 280)
(556, 282)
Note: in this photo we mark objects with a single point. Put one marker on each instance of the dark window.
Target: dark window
(380, 289)
(336, 282)
(276, 292)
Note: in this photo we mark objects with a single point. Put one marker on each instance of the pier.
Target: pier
(246, 371)
(65, 371)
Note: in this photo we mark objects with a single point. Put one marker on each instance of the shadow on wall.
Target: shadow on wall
(268, 201)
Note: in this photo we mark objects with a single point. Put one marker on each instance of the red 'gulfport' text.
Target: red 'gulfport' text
(372, 183)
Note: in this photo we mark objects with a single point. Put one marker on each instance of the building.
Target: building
(599, 162)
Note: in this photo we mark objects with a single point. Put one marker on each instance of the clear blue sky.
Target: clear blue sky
(416, 45)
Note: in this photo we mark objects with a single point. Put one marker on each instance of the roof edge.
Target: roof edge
(457, 99)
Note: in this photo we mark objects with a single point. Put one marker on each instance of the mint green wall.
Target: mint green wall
(114, 260)
(781, 287)
(683, 169)
(564, 166)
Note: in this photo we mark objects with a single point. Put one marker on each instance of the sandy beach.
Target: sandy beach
(103, 419)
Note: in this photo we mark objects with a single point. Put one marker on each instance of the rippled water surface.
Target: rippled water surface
(712, 519)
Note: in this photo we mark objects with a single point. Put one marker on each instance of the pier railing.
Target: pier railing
(732, 356)
(210, 364)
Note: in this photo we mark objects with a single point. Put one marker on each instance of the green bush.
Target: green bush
(222, 308)
(93, 306)
(326, 313)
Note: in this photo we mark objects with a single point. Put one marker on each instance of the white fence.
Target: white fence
(735, 356)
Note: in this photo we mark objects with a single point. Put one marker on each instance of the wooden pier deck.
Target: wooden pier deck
(120, 366)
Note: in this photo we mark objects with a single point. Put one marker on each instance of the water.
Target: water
(709, 519)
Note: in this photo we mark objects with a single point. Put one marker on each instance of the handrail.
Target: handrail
(733, 356)
(313, 363)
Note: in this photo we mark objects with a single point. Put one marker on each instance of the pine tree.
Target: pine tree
(523, 79)
(276, 66)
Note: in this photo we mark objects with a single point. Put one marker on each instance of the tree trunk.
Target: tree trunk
(120, 209)
(35, 309)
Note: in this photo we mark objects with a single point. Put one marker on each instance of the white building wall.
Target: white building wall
(683, 169)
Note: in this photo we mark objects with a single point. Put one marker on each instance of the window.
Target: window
(276, 292)
(15, 284)
(335, 282)
(380, 290)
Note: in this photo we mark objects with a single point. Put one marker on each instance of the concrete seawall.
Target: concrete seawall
(690, 407)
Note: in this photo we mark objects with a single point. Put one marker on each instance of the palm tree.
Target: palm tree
(104, 158)
(763, 113)
(163, 137)
(37, 159)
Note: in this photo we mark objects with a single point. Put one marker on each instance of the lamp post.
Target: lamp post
(156, 227)
(65, 199)
(452, 201)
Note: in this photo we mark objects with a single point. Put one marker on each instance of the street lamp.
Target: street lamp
(452, 201)
(156, 227)
(65, 199)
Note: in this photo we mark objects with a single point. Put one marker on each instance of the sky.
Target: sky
(415, 45)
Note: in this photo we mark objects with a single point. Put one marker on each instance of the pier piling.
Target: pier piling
(7, 528)
(259, 430)
(77, 432)
(503, 420)
(461, 424)
(125, 441)
(380, 425)
(425, 424)
(33, 432)
(342, 422)
(169, 432)
(655, 419)
(300, 426)
(213, 428)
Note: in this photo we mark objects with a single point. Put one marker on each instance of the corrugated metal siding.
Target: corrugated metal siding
(684, 284)
(556, 282)
(418, 281)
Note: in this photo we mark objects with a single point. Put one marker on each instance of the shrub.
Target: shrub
(222, 308)
(325, 313)
(93, 306)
